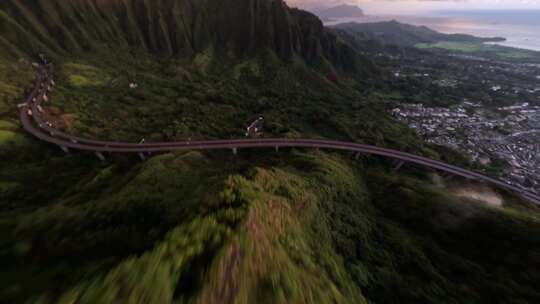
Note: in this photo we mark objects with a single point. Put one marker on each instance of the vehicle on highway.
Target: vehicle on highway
(255, 128)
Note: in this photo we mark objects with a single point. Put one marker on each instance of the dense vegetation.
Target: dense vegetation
(490, 51)
(294, 226)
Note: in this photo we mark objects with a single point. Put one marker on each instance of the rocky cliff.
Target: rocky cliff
(170, 28)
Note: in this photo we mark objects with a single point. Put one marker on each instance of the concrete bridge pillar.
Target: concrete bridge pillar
(65, 149)
(357, 155)
(100, 156)
(235, 151)
(277, 148)
(142, 156)
(398, 165)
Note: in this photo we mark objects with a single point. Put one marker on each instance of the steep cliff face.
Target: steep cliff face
(168, 28)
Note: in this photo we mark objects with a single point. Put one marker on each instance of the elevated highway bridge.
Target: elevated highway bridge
(34, 124)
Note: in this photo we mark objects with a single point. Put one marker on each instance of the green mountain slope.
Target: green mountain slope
(294, 226)
(171, 28)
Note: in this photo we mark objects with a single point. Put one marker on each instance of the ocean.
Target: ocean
(521, 28)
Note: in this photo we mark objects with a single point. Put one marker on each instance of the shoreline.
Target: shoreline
(514, 46)
(456, 25)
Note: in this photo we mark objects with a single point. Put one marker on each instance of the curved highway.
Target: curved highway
(34, 124)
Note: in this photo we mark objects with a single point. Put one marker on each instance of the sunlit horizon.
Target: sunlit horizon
(373, 7)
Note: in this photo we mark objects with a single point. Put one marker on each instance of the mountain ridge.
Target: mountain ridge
(172, 28)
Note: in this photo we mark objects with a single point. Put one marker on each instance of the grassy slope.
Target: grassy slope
(478, 48)
(467, 47)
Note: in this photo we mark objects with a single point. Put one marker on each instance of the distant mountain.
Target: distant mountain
(393, 32)
(340, 11)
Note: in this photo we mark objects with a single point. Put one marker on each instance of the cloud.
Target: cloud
(411, 5)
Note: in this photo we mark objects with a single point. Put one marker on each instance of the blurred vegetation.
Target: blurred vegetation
(290, 226)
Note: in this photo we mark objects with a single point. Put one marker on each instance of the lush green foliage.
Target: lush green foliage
(262, 227)
(277, 228)
(479, 48)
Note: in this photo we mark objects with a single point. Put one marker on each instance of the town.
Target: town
(508, 135)
(445, 78)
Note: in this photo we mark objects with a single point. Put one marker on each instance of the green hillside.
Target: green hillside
(294, 226)
(179, 28)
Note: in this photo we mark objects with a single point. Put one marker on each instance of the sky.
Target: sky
(416, 6)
